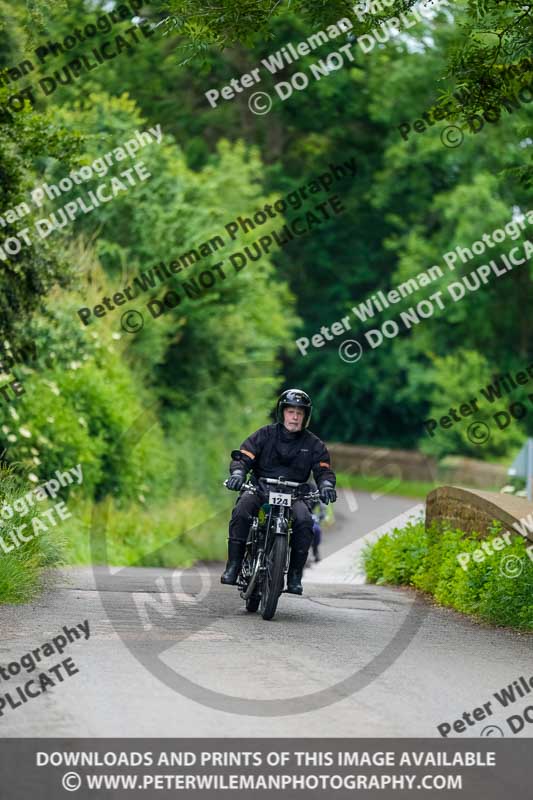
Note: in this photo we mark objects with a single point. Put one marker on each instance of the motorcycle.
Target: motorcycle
(266, 559)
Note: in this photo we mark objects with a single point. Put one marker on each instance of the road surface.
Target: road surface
(175, 654)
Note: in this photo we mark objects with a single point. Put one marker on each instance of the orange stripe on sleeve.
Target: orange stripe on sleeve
(247, 453)
(324, 464)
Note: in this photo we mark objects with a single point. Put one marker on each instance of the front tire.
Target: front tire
(274, 576)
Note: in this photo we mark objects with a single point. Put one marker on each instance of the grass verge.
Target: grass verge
(22, 564)
(381, 484)
(176, 534)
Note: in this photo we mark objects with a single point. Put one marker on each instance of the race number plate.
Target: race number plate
(278, 499)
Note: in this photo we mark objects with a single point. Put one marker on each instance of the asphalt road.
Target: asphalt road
(175, 654)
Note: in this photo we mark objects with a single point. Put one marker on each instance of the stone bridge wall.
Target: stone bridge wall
(411, 465)
(473, 510)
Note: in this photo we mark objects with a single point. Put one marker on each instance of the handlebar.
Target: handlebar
(250, 487)
(282, 482)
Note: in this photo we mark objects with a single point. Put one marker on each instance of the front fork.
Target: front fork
(283, 527)
(277, 525)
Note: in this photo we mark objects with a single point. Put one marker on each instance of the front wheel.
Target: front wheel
(274, 575)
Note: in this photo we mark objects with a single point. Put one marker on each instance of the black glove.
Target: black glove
(328, 493)
(235, 480)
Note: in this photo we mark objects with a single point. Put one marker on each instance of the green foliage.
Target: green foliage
(410, 203)
(21, 569)
(458, 378)
(91, 408)
(427, 560)
(491, 35)
(173, 534)
(27, 276)
(395, 557)
(206, 373)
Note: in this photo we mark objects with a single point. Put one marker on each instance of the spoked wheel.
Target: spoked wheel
(273, 582)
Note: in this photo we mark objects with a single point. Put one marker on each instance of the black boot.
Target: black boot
(236, 550)
(294, 576)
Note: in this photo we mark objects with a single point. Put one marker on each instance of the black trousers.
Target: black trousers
(247, 507)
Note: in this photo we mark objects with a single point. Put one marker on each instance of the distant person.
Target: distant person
(318, 515)
(286, 450)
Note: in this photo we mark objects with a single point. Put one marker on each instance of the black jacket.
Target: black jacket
(273, 452)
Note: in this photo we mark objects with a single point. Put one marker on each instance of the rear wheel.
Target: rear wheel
(273, 582)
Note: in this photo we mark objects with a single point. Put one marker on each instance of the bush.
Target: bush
(395, 557)
(81, 415)
(427, 560)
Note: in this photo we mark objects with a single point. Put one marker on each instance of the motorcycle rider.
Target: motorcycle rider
(288, 450)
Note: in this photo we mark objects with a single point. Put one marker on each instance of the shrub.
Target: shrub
(427, 560)
(395, 557)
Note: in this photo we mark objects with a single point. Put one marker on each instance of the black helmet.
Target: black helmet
(295, 397)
